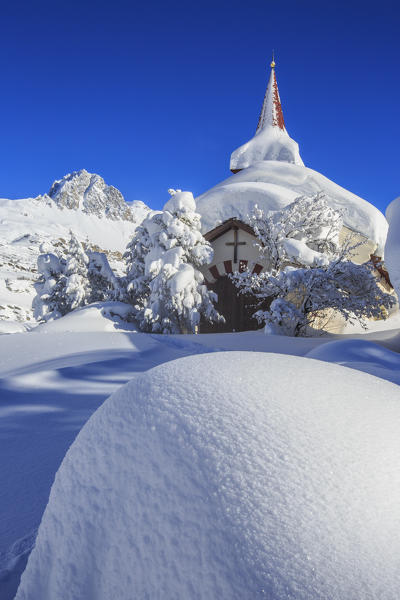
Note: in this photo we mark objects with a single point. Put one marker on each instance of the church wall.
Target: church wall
(362, 253)
(222, 253)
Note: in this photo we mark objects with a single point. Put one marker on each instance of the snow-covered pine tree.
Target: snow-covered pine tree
(136, 281)
(167, 287)
(309, 275)
(103, 283)
(77, 286)
(49, 303)
(76, 279)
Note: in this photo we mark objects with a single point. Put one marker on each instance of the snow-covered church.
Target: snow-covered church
(268, 171)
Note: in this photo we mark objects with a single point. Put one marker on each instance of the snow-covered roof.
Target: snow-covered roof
(271, 140)
(273, 184)
(232, 223)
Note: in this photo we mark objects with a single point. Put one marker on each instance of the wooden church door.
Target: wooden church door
(236, 308)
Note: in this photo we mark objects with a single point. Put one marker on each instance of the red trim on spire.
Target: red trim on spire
(277, 119)
(271, 110)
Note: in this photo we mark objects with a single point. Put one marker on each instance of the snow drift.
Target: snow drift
(238, 475)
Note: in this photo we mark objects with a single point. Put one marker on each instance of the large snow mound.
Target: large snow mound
(239, 475)
(392, 247)
(274, 184)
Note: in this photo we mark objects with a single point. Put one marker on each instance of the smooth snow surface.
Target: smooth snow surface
(273, 184)
(12, 327)
(232, 475)
(99, 316)
(392, 248)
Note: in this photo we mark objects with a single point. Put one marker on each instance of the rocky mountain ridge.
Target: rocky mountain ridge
(90, 193)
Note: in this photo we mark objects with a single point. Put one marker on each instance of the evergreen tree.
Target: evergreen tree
(77, 287)
(49, 302)
(167, 289)
(103, 283)
(136, 281)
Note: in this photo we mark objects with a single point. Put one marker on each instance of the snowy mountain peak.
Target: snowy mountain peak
(271, 141)
(89, 193)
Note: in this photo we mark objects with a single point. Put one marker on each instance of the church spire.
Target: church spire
(271, 140)
(271, 111)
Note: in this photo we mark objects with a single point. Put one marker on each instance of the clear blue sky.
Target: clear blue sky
(153, 95)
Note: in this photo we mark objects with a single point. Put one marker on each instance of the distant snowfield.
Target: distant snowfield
(51, 384)
(19, 218)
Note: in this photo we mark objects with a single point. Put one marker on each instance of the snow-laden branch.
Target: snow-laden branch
(309, 274)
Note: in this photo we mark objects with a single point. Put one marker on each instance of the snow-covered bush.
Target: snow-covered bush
(164, 283)
(303, 296)
(309, 276)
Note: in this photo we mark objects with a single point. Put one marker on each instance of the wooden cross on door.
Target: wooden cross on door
(235, 244)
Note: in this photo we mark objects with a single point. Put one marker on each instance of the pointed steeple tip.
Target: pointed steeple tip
(271, 140)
